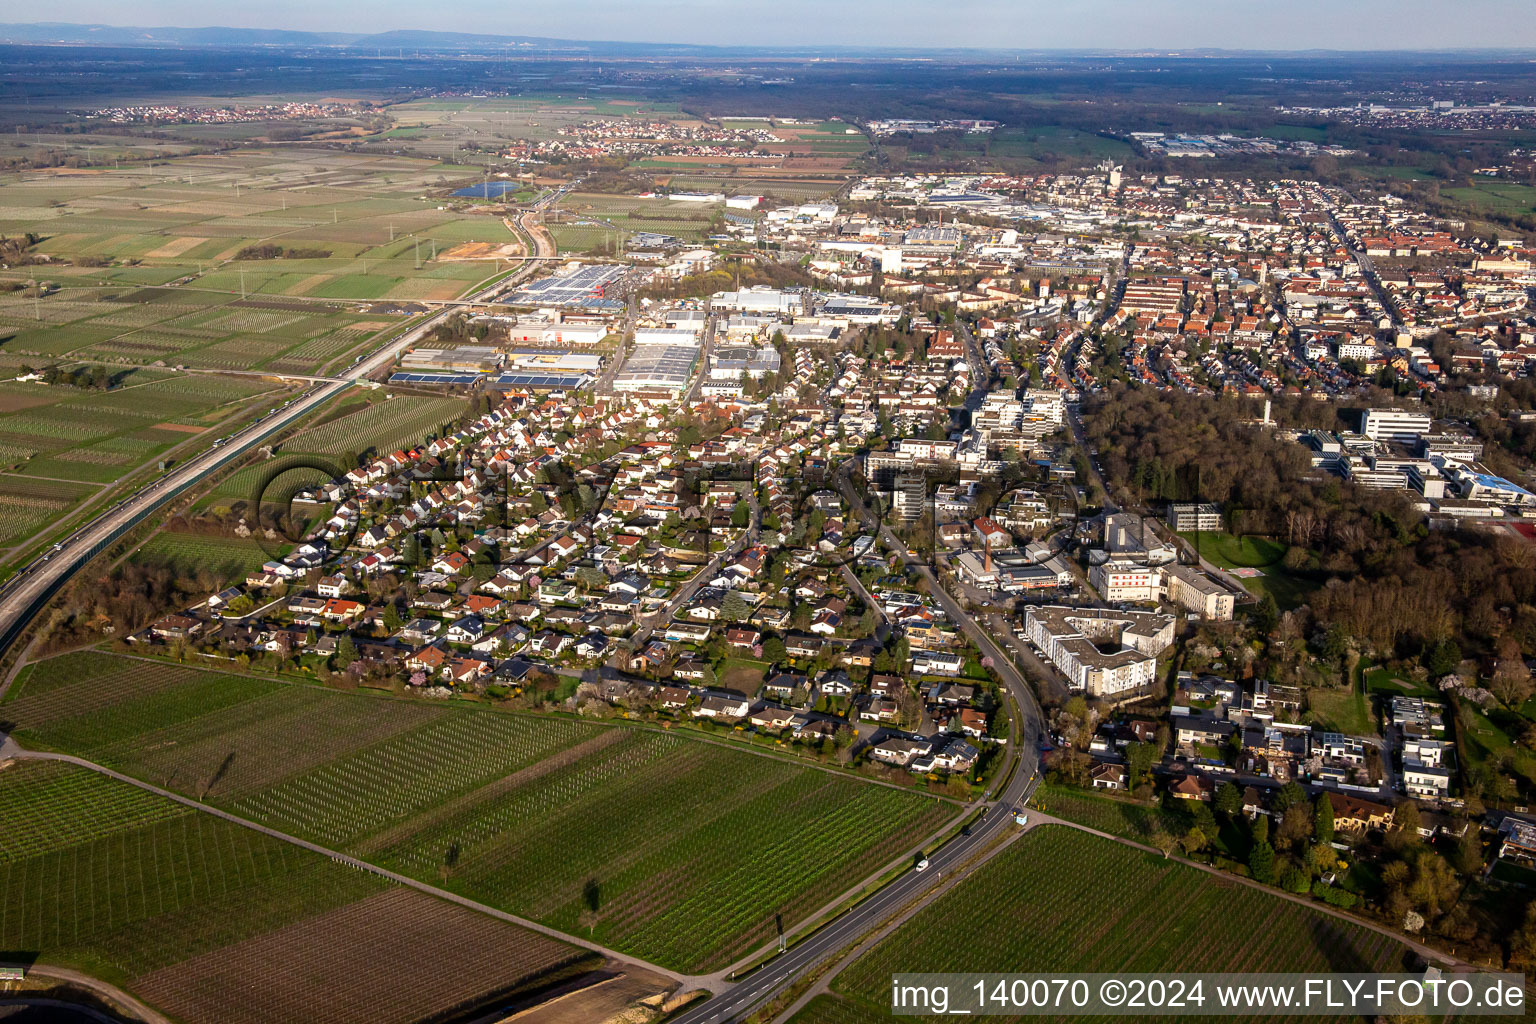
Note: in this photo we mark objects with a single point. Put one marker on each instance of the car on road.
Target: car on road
(922, 863)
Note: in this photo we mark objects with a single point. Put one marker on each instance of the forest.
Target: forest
(1380, 575)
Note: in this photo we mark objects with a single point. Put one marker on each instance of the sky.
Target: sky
(1025, 24)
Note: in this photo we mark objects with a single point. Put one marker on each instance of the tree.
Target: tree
(392, 621)
(1194, 841)
(1140, 757)
(1322, 820)
(1469, 852)
(1265, 615)
(1289, 796)
(1229, 800)
(1295, 826)
(1511, 681)
(734, 607)
(1407, 820)
(1434, 886)
(1522, 944)
(346, 650)
(773, 650)
(1261, 862)
(1259, 830)
(741, 515)
(1443, 658)
(1163, 841)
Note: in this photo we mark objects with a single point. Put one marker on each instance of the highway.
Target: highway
(26, 593)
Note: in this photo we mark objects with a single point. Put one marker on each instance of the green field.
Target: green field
(1347, 711)
(162, 274)
(74, 883)
(1493, 195)
(230, 558)
(668, 847)
(1250, 552)
(346, 227)
(1044, 141)
(1106, 813)
(1483, 741)
(1062, 900)
(1384, 681)
(51, 435)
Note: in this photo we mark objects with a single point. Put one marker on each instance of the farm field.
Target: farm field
(181, 261)
(27, 506)
(60, 444)
(229, 558)
(1039, 142)
(438, 127)
(547, 818)
(189, 913)
(628, 214)
(1063, 900)
(744, 181)
(184, 327)
(401, 421)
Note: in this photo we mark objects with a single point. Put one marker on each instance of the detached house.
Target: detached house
(900, 751)
(722, 706)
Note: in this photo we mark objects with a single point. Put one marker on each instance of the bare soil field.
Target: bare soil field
(632, 997)
(481, 251)
(398, 956)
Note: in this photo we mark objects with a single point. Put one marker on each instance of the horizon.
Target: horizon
(1154, 27)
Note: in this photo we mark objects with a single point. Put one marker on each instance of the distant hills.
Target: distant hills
(409, 39)
(417, 40)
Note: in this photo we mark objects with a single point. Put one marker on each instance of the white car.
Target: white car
(922, 864)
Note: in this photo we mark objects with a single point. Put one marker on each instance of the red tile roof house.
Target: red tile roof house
(340, 609)
(746, 638)
(989, 534)
(429, 659)
(452, 562)
(466, 670)
(484, 606)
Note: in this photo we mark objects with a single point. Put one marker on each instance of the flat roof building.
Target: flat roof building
(1185, 518)
(659, 365)
(1394, 424)
(1102, 652)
